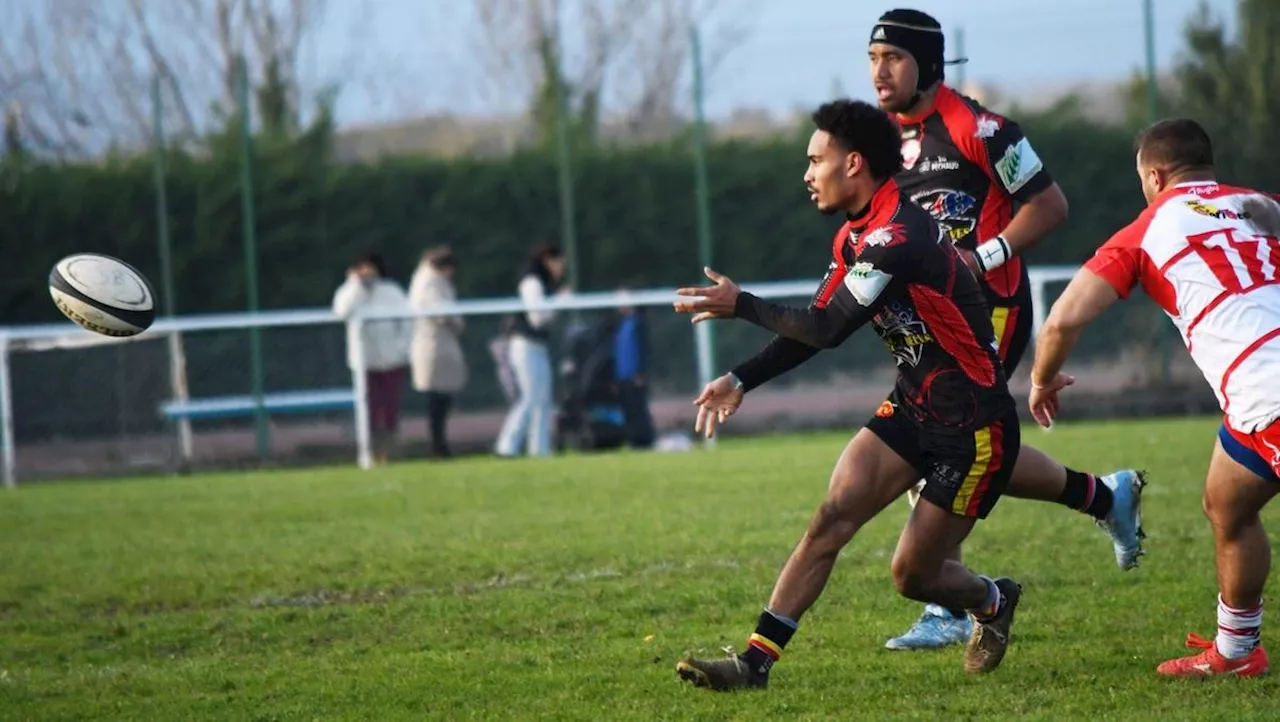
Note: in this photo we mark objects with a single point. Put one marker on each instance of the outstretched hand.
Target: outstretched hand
(710, 302)
(1044, 399)
(717, 402)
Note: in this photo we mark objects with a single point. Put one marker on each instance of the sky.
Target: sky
(399, 58)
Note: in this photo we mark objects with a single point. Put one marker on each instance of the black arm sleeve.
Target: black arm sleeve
(1012, 164)
(775, 359)
(853, 299)
(826, 327)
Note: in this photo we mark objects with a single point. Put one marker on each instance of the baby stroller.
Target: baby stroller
(590, 415)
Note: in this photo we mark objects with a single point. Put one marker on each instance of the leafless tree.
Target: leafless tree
(80, 71)
(654, 74)
(631, 55)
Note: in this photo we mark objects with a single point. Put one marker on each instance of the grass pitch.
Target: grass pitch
(568, 588)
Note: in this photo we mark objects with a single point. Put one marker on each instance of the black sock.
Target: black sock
(766, 645)
(1086, 493)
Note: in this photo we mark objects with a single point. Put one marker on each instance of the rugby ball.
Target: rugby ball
(102, 294)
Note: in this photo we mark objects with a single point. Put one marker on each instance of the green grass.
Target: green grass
(568, 588)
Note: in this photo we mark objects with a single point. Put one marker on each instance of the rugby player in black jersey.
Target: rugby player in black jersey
(970, 168)
(949, 419)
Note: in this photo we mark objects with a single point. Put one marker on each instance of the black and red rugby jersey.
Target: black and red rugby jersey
(892, 266)
(967, 165)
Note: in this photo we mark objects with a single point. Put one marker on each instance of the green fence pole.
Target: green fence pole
(162, 202)
(177, 358)
(1149, 31)
(251, 256)
(568, 223)
(707, 358)
(1163, 342)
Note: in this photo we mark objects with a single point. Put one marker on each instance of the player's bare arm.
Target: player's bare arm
(1037, 218)
(1083, 301)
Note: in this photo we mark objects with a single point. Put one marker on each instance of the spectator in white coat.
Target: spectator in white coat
(528, 423)
(385, 342)
(439, 367)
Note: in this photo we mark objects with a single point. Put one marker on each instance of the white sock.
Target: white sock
(936, 610)
(1238, 629)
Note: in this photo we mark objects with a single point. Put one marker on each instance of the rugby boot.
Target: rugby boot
(720, 675)
(990, 638)
(1124, 522)
(935, 629)
(1211, 663)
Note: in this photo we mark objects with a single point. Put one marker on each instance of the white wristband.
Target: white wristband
(992, 254)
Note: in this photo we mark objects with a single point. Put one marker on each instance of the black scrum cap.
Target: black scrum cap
(916, 33)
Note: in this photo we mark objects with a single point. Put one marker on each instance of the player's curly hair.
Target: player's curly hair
(864, 129)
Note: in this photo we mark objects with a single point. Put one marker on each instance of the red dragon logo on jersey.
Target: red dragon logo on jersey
(987, 125)
(887, 235)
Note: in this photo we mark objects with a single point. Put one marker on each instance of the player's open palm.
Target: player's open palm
(717, 402)
(708, 302)
(1044, 399)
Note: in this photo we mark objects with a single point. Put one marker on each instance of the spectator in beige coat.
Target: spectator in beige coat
(439, 368)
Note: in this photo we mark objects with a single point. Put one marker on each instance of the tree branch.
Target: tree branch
(84, 57)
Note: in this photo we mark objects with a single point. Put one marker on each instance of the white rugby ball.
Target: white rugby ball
(103, 294)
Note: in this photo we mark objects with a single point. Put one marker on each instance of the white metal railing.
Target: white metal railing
(69, 336)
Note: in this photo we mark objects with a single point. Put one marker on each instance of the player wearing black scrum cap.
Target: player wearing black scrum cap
(970, 167)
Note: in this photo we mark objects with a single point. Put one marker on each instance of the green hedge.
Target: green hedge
(636, 216)
(636, 223)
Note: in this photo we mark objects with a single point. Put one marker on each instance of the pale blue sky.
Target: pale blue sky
(791, 55)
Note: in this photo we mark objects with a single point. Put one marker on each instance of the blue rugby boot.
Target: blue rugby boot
(1124, 522)
(935, 629)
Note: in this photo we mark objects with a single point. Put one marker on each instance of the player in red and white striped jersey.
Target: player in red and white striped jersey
(1209, 255)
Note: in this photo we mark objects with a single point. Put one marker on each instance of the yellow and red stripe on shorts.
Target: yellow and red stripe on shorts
(1004, 319)
(988, 445)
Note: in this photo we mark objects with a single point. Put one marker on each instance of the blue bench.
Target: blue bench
(284, 402)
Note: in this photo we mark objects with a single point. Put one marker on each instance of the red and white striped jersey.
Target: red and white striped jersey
(1208, 254)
